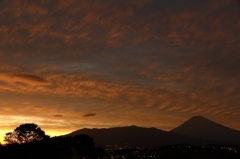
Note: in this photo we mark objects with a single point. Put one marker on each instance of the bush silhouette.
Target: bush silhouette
(25, 133)
(28, 141)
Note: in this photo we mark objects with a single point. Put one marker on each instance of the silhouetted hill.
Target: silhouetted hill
(137, 137)
(201, 127)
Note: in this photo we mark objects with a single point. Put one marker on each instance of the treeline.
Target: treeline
(29, 141)
(80, 146)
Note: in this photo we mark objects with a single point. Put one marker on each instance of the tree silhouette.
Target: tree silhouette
(25, 133)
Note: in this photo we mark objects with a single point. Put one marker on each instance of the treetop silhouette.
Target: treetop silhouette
(25, 133)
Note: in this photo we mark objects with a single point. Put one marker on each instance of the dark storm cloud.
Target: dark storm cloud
(149, 56)
(89, 115)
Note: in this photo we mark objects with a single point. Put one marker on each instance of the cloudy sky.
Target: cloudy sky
(66, 65)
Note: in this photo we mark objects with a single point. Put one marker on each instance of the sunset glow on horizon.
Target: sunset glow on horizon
(68, 65)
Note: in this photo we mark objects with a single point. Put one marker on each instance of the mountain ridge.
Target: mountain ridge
(135, 136)
(201, 127)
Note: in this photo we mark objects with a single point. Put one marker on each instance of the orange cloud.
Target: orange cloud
(144, 59)
(25, 78)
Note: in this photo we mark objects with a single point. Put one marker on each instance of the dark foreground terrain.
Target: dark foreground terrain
(82, 147)
(176, 152)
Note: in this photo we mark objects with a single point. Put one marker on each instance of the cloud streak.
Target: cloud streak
(89, 115)
(58, 116)
(25, 78)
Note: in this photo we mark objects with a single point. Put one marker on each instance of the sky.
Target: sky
(67, 65)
